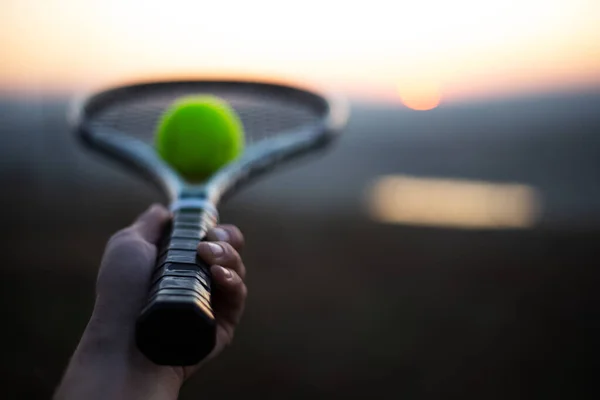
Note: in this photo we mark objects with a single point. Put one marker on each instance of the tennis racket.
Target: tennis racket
(177, 325)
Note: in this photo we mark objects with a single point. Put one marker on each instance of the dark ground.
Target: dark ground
(340, 306)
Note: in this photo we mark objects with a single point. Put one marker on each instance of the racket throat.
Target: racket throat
(194, 204)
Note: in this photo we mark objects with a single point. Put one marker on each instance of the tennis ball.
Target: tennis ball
(197, 135)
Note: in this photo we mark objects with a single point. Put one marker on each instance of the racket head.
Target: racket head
(280, 122)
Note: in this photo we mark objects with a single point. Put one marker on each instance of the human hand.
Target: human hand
(107, 363)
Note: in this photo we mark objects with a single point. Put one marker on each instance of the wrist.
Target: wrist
(103, 338)
(107, 364)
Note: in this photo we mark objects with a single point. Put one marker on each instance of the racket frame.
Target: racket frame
(257, 159)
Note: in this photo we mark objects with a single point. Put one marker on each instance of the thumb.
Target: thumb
(151, 223)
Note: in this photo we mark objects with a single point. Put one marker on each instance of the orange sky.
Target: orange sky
(415, 51)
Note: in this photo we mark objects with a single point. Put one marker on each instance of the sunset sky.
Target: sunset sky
(417, 52)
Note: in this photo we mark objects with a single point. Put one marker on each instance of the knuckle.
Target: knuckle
(229, 249)
(127, 239)
(235, 234)
(238, 298)
(233, 257)
(238, 236)
(121, 235)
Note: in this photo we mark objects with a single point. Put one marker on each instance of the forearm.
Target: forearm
(106, 366)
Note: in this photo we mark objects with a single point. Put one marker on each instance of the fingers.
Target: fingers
(230, 295)
(227, 233)
(228, 272)
(223, 254)
(151, 223)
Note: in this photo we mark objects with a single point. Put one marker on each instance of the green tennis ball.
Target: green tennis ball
(198, 135)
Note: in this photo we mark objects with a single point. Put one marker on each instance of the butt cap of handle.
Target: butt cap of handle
(176, 328)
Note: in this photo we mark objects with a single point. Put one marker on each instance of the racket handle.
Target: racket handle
(177, 325)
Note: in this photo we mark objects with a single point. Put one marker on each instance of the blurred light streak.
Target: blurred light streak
(453, 203)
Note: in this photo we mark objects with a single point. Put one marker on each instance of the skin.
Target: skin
(107, 363)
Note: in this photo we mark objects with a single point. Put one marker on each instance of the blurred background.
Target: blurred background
(446, 248)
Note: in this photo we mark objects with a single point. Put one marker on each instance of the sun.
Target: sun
(420, 95)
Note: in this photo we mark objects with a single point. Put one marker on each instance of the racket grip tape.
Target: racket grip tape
(177, 325)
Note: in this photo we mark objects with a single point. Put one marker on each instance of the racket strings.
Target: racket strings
(263, 115)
